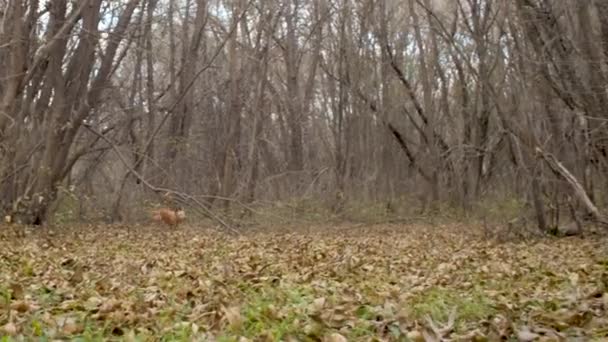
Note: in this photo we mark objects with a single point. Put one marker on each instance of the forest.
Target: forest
(304, 170)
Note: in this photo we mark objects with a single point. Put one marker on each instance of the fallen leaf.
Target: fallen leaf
(233, 316)
(10, 329)
(335, 337)
(317, 304)
(16, 291)
(71, 328)
(526, 335)
(108, 306)
(20, 306)
(415, 336)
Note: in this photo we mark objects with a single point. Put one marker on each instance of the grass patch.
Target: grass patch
(398, 210)
(438, 304)
(272, 313)
(500, 209)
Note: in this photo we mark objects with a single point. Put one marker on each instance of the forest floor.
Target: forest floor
(375, 283)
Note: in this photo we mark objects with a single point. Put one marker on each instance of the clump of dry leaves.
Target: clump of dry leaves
(382, 283)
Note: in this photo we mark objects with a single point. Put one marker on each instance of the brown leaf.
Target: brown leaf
(415, 336)
(20, 306)
(10, 329)
(335, 337)
(72, 328)
(16, 291)
(108, 306)
(526, 335)
(317, 304)
(69, 326)
(233, 316)
(313, 329)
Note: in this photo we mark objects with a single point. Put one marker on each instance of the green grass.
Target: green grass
(438, 304)
(273, 312)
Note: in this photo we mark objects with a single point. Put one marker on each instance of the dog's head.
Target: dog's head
(181, 214)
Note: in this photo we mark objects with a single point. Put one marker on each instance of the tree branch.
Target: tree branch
(184, 198)
(578, 189)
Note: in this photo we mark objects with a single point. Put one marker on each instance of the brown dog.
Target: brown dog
(169, 216)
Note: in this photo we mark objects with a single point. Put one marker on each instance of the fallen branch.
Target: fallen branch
(181, 197)
(577, 188)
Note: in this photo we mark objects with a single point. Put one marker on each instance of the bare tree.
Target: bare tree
(252, 101)
(51, 93)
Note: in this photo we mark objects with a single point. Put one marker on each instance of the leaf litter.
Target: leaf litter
(381, 283)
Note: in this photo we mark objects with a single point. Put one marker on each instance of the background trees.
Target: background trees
(256, 100)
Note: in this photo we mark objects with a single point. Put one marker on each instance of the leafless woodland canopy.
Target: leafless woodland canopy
(258, 101)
